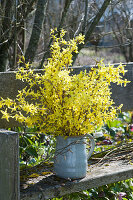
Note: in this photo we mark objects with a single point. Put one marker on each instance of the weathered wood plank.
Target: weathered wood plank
(121, 95)
(9, 166)
(49, 187)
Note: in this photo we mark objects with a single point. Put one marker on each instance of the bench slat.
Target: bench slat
(96, 176)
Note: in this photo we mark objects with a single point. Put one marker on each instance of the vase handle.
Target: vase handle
(92, 144)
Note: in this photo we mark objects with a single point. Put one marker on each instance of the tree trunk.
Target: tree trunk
(3, 58)
(36, 31)
(6, 34)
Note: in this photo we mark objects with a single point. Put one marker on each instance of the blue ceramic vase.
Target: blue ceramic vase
(71, 157)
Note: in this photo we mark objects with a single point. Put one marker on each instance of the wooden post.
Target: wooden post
(9, 165)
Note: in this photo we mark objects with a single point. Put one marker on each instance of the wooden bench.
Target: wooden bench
(47, 185)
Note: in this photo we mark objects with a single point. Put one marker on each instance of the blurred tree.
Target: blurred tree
(13, 14)
(25, 26)
(122, 26)
(81, 16)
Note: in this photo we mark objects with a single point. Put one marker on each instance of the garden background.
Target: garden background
(108, 28)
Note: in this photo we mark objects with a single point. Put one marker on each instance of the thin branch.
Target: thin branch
(85, 17)
(79, 27)
(15, 34)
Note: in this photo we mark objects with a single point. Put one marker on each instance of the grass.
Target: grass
(88, 56)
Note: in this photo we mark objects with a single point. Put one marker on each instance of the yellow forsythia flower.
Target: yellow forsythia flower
(64, 104)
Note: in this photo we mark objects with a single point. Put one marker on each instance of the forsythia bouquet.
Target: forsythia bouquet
(61, 104)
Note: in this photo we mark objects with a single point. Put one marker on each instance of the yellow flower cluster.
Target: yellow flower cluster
(60, 103)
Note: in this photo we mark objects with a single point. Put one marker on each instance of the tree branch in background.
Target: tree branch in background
(15, 34)
(92, 26)
(29, 7)
(85, 17)
(83, 21)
